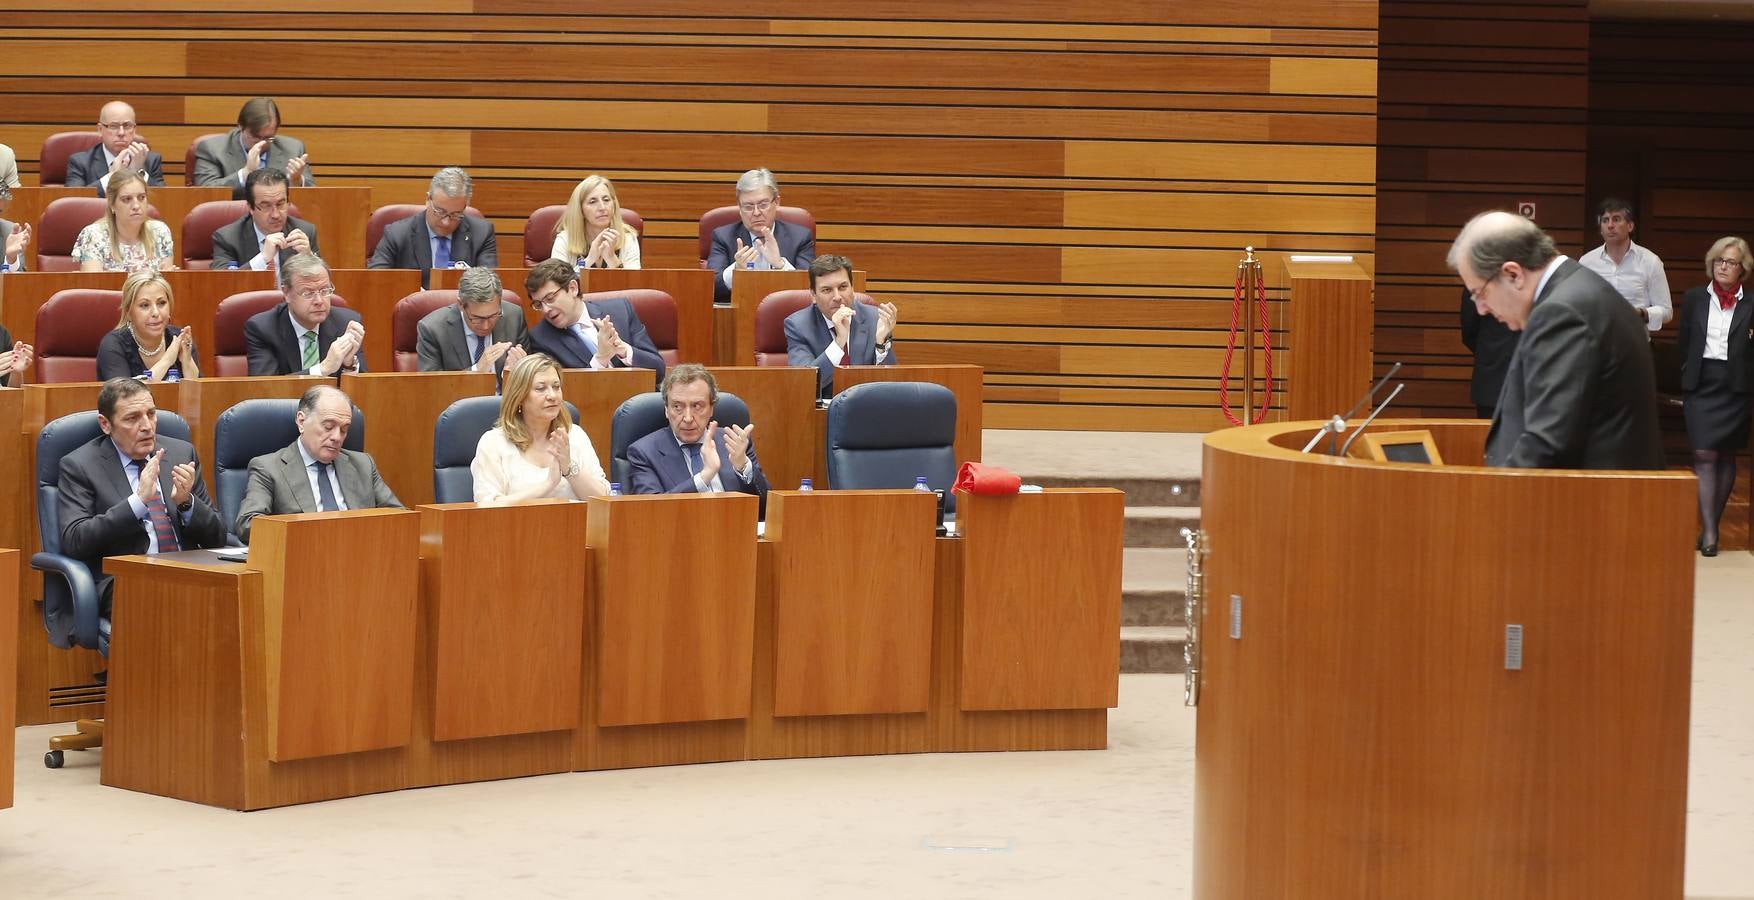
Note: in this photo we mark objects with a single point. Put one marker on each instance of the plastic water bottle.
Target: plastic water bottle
(231, 265)
(804, 486)
(579, 263)
(614, 488)
(921, 485)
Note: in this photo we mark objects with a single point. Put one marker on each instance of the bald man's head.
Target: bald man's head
(116, 124)
(1500, 258)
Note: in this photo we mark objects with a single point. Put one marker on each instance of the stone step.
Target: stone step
(1140, 491)
(1153, 584)
(1153, 649)
(1159, 526)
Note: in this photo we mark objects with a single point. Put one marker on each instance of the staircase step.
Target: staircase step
(1153, 584)
(1159, 526)
(1156, 649)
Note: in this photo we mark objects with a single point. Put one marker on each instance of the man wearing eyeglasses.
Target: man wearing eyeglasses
(120, 148)
(695, 455)
(227, 160)
(585, 334)
(305, 334)
(444, 236)
(759, 240)
(1580, 392)
(481, 332)
(269, 235)
(1634, 271)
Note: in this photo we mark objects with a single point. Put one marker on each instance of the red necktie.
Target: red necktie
(160, 515)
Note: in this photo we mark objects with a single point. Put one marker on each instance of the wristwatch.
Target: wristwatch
(570, 471)
(186, 505)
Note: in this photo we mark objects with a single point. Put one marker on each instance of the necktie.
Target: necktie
(325, 493)
(159, 515)
(586, 336)
(692, 453)
(480, 345)
(441, 255)
(310, 352)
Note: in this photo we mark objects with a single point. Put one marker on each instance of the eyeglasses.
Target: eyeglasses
(540, 303)
(444, 216)
(757, 206)
(309, 294)
(483, 320)
(116, 127)
(698, 407)
(1475, 293)
(1724, 262)
(277, 206)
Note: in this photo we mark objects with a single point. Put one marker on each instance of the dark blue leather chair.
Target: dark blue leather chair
(454, 437)
(251, 429)
(884, 434)
(643, 414)
(70, 601)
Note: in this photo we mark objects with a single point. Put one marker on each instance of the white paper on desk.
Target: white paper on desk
(233, 554)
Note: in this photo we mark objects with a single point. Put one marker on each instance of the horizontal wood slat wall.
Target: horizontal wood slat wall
(1483, 105)
(1058, 192)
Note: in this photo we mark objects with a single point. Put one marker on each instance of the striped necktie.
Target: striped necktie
(159, 515)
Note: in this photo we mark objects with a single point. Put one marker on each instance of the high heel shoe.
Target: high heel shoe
(1708, 550)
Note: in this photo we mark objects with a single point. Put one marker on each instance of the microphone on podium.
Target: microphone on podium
(1337, 424)
(1373, 414)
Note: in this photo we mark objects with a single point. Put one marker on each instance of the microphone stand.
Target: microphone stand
(1337, 424)
(1373, 414)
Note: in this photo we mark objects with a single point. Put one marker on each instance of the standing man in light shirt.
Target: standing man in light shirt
(1634, 271)
(120, 148)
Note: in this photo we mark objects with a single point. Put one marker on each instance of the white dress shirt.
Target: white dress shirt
(835, 354)
(1639, 277)
(139, 506)
(311, 476)
(1717, 325)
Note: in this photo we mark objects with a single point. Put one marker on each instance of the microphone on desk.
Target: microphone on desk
(1337, 424)
(1373, 414)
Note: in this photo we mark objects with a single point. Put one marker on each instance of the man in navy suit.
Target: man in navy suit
(598, 334)
(695, 455)
(759, 240)
(443, 236)
(835, 330)
(270, 232)
(121, 148)
(305, 333)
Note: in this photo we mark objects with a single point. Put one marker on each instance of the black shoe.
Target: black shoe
(1708, 550)
(1700, 543)
(102, 676)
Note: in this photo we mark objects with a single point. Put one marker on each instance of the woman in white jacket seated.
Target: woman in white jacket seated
(591, 235)
(534, 450)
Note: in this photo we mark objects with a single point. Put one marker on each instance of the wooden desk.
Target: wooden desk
(308, 691)
(963, 381)
(502, 649)
(782, 406)
(598, 394)
(401, 410)
(204, 399)
(9, 634)
(844, 665)
(339, 214)
(692, 289)
(673, 645)
(374, 293)
(1049, 668)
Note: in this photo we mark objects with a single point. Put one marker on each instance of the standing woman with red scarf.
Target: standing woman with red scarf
(1717, 376)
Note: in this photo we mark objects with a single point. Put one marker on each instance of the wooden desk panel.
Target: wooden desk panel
(203, 400)
(339, 214)
(963, 381)
(748, 289)
(340, 636)
(400, 410)
(782, 407)
(373, 293)
(692, 289)
(598, 394)
(1041, 600)
(1331, 319)
(673, 644)
(9, 620)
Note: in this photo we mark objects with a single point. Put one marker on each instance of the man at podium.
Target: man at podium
(1580, 392)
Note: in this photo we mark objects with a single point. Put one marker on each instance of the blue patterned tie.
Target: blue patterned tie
(442, 253)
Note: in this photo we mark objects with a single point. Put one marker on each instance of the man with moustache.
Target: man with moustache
(314, 473)
(269, 234)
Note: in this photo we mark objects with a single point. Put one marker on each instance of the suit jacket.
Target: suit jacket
(8, 167)
(273, 347)
(118, 355)
(1581, 391)
(442, 348)
(89, 168)
(808, 338)
(408, 245)
(236, 243)
(566, 347)
(5, 344)
(218, 160)
(6, 227)
(1492, 343)
(797, 244)
(1695, 308)
(96, 518)
(656, 465)
(280, 485)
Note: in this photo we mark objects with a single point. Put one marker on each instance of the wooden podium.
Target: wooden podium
(1331, 320)
(1439, 681)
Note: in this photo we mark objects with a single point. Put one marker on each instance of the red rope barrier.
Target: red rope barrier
(1238, 305)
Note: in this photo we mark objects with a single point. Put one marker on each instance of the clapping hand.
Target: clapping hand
(610, 346)
(491, 355)
(16, 358)
(182, 482)
(132, 157)
(295, 169)
(842, 320)
(253, 159)
(737, 445)
(16, 242)
(745, 257)
(770, 248)
(709, 453)
(342, 351)
(885, 322)
(147, 488)
(602, 247)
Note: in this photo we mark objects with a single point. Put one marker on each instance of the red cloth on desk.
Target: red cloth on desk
(975, 478)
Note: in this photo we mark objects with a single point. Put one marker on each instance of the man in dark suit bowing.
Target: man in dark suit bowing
(442, 236)
(480, 332)
(758, 240)
(269, 232)
(599, 334)
(695, 455)
(315, 473)
(835, 330)
(305, 333)
(120, 148)
(132, 490)
(1580, 392)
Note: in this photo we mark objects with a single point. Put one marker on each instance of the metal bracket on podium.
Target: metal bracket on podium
(1191, 605)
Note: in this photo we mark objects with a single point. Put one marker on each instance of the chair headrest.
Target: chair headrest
(892, 415)
(254, 427)
(68, 433)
